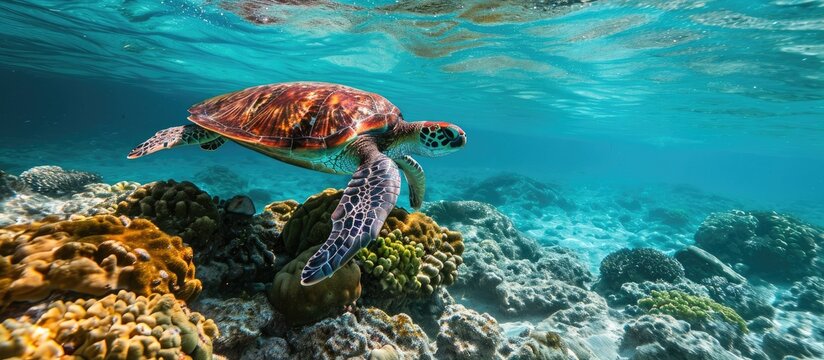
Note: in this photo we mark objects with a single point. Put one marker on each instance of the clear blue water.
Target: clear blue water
(724, 98)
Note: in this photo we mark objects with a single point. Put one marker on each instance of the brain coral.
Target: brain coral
(770, 244)
(122, 326)
(307, 304)
(178, 208)
(94, 256)
(638, 265)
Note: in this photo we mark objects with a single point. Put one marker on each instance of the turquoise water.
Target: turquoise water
(695, 106)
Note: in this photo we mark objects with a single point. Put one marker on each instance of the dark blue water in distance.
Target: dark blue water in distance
(694, 106)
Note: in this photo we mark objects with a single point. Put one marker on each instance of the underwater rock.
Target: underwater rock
(673, 218)
(772, 245)
(303, 305)
(466, 334)
(122, 326)
(805, 295)
(480, 221)
(93, 256)
(221, 181)
(240, 320)
(638, 265)
(798, 335)
(267, 348)
(54, 181)
(700, 264)
(178, 208)
(663, 337)
(8, 185)
(748, 301)
(519, 191)
(507, 270)
(362, 334)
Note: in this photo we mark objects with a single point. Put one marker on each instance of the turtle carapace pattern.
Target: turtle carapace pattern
(330, 128)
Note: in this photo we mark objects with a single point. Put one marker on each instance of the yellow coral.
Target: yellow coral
(307, 304)
(122, 326)
(94, 256)
(279, 213)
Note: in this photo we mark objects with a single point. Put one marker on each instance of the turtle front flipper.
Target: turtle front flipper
(369, 197)
(415, 178)
(176, 136)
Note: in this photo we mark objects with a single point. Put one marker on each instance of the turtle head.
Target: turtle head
(437, 138)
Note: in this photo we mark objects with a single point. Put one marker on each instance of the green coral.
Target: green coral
(692, 309)
(302, 305)
(396, 264)
(177, 208)
(413, 255)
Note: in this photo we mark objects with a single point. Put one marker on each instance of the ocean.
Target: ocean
(640, 179)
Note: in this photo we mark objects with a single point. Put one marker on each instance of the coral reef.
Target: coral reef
(805, 295)
(93, 256)
(368, 333)
(122, 326)
(8, 185)
(178, 208)
(748, 301)
(54, 181)
(798, 335)
(699, 265)
(637, 265)
(670, 217)
(508, 271)
(466, 334)
(664, 337)
(413, 255)
(301, 304)
(693, 309)
(772, 245)
(517, 190)
(311, 223)
(240, 321)
(94, 199)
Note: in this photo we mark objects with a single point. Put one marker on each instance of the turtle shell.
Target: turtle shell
(298, 115)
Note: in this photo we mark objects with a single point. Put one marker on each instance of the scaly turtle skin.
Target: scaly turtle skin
(330, 128)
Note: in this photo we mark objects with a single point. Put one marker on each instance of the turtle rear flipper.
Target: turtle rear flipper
(356, 221)
(177, 136)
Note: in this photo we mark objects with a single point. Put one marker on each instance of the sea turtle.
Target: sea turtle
(330, 128)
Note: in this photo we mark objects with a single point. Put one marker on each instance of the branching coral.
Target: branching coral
(180, 209)
(122, 326)
(53, 180)
(638, 265)
(689, 308)
(306, 304)
(93, 256)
